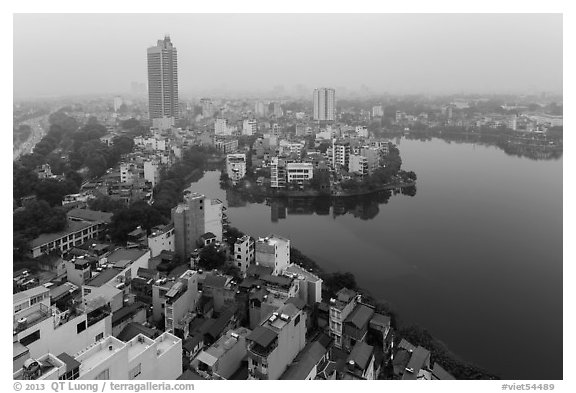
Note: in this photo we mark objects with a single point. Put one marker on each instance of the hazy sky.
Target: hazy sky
(58, 54)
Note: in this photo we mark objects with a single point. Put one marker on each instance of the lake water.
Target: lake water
(475, 256)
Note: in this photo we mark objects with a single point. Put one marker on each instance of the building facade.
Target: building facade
(163, 80)
(324, 104)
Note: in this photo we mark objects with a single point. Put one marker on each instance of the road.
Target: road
(39, 126)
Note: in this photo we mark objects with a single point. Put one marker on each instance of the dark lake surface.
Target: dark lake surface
(475, 256)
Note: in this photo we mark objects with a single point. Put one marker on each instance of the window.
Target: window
(80, 327)
(99, 337)
(103, 375)
(135, 371)
(29, 339)
(297, 320)
(239, 264)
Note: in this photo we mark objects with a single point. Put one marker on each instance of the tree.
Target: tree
(211, 258)
(105, 204)
(53, 190)
(39, 217)
(140, 214)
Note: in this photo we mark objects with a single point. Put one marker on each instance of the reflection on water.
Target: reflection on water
(364, 207)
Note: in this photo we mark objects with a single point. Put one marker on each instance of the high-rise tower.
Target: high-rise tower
(324, 104)
(163, 80)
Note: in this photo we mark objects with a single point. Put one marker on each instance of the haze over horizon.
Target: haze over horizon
(81, 54)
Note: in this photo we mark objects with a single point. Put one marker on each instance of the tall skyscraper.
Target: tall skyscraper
(324, 104)
(163, 80)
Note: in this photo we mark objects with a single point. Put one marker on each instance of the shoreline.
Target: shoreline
(268, 193)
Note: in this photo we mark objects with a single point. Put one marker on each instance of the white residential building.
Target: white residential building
(273, 251)
(161, 239)
(377, 111)
(358, 164)
(299, 172)
(111, 359)
(236, 166)
(152, 171)
(221, 127)
(249, 127)
(244, 252)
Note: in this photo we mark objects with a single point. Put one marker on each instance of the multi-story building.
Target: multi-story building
(223, 358)
(244, 252)
(340, 307)
(236, 166)
(193, 218)
(277, 173)
(208, 109)
(299, 172)
(117, 103)
(152, 171)
(340, 153)
(274, 344)
(141, 358)
(175, 301)
(221, 127)
(324, 104)
(83, 224)
(161, 238)
(39, 328)
(226, 144)
(260, 109)
(163, 80)
(309, 284)
(274, 252)
(276, 109)
(377, 111)
(372, 155)
(249, 127)
(358, 164)
(362, 131)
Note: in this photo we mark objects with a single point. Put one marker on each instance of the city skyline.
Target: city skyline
(376, 53)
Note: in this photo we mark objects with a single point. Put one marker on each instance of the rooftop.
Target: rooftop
(309, 357)
(262, 336)
(102, 278)
(418, 359)
(360, 317)
(295, 269)
(91, 215)
(133, 329)
(361, 354)
(125, 254)
(165, 342)
(137, 345)
(72, 227)
(97, 353)
(32, 292)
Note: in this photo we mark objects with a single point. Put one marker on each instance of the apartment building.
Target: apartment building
(274, 252)
(244, 252)
(193, 218)
(236, 166)
(223, 358)
(175, 300)
(340, 307)
(274, 344)
(162, 238)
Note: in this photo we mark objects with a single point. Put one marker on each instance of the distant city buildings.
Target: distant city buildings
(163, 80)
(377, 111)
(324, 104)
